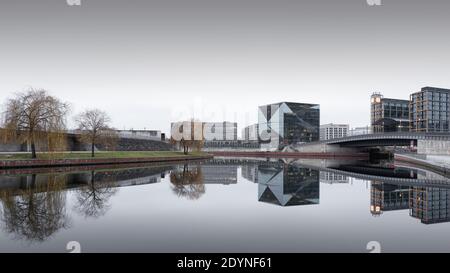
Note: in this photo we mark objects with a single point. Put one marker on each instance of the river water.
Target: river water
(226, 205)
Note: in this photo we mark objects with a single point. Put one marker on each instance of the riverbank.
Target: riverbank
(101, 158)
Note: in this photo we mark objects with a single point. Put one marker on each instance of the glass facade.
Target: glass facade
(288, 123)
(388, 197)
(288, 185)
(430, 110)
(430, 205)
(389, 115)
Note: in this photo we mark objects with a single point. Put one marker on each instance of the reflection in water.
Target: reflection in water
(37, 211)
(388, 197)
(93, 199)
(430, 205)
(288, 185)
(34, 206)
(188, 182)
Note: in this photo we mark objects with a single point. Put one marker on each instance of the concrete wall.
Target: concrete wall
(433, 147)
(73, 144)
(11, 148)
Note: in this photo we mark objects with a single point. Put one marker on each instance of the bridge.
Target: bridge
(426, 143)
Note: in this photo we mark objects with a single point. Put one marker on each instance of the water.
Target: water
(226, 205)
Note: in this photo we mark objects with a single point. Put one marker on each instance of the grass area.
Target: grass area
(84, 155)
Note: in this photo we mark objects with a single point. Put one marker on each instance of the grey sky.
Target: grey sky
(145, 62)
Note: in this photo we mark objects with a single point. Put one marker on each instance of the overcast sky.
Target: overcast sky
(148, 63)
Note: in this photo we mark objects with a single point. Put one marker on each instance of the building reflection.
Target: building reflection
(288, 185)
(333, 178)
(430, 205)
(388, 197)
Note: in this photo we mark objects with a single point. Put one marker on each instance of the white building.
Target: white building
(330, 131)
(360, 131)
(250, 133)
(140, 134)
(208, 131)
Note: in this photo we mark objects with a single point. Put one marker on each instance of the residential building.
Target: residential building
(430, 110)
(388, 115)
(330, 131)
(286, 123)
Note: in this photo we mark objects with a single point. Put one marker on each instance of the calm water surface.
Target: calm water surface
(226, 205)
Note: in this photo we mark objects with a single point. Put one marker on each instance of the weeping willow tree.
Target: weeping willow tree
(188, 183)
(36, 118)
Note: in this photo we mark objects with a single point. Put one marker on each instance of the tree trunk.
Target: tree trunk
(33, 149)
(92, 149)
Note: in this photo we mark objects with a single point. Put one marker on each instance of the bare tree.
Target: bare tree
(93, 199)
(34, 116)
(94, 129)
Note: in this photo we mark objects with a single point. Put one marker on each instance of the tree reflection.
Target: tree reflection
(36, 212)
(93, 199)
(188, 183)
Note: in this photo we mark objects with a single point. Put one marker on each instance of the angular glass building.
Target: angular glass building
(288, 185)
(286, 123)
(430, 110)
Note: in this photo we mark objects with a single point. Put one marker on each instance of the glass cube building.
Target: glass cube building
(429, 110)
(288, 185)
(286, 123)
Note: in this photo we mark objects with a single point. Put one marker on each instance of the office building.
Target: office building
(330, 131)
(430, 110)
(388, 115)
(286, 123)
